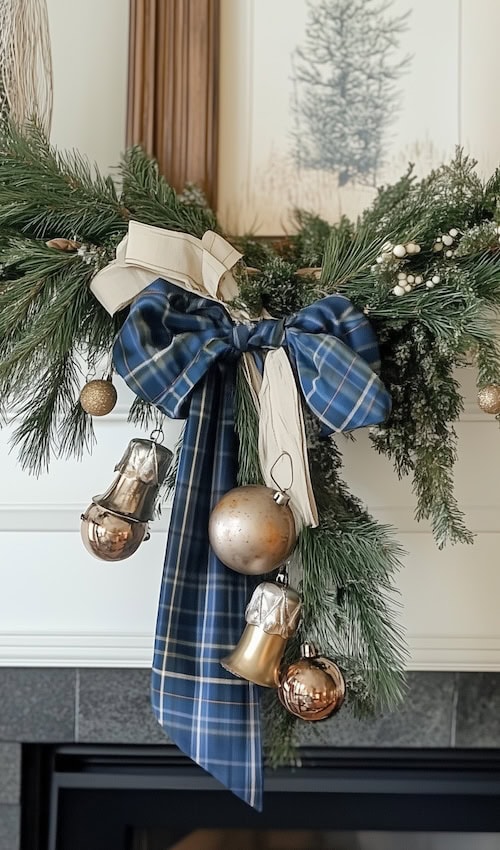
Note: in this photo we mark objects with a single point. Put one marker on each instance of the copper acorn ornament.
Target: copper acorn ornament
(116, 523)
(312, 688)
(488, 399)
(98, 397)
(252, 529)
(272, 617)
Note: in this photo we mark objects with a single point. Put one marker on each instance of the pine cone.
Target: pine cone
(63, 244)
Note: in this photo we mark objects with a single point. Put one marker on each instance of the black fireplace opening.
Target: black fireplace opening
(83, 797)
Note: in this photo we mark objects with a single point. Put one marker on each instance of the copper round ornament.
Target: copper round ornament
(98, 397)
(252, 529)
(488, 399)
(312, 688)
(109, 536)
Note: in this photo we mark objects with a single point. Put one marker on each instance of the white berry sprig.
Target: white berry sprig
(446, 242)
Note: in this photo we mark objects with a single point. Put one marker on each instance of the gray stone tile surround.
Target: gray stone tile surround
(112, 706)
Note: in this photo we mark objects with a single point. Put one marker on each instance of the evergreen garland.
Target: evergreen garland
(49, 321)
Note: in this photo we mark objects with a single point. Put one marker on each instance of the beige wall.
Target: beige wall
(89, 52)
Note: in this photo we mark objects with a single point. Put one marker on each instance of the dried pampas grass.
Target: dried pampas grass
(25, 62)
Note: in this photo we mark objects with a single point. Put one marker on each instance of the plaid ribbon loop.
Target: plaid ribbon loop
(179, 351)
(172, 338)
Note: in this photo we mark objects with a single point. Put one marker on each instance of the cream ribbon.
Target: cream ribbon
(282, 438)
(204, 266)
(146, 253)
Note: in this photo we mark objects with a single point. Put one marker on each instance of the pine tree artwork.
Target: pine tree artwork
(345, 78)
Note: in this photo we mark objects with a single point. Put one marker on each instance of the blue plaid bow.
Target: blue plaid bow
(179, 351)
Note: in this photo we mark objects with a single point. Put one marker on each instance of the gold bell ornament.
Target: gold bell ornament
(116, 523)
(312, 688)
(252, 529)
(272, 617)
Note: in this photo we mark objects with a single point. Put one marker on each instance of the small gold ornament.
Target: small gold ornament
(98, 397)
(109, 536)
(272, 617)
(63, 244)
(312, 688)
(252, 529)
(488, 399)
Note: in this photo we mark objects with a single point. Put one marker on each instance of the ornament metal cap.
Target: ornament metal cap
(272, 616)
(308, 650)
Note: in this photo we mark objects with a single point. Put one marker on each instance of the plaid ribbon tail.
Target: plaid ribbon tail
(209, 714)
(179, 351)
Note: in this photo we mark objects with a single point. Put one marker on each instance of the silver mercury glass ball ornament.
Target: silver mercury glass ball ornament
(252, 529)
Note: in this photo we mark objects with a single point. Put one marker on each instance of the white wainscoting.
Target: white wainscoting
(61, 607)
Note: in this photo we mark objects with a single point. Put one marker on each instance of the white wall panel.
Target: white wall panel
(58, 605)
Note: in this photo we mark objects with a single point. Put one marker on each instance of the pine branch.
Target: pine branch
(418, 436)
(143, 414)
(347, 258)
(347, 566)
(37, 434)
(150, 199)
(76, 436)
(247, 429)
(308, 245)
(45, 193)
(349, 600)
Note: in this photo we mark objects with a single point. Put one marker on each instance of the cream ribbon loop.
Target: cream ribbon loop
(199, 265)
(204, 266)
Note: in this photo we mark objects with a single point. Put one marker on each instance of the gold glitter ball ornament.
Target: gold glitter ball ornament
(312, 688)
(488, 399)
(98, 397)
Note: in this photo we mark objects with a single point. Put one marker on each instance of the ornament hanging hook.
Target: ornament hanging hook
(283, 454)
(282, 575)
(157, 435)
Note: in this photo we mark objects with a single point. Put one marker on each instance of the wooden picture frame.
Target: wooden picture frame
(173, 77)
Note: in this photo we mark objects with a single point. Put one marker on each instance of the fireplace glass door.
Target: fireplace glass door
(282, 839)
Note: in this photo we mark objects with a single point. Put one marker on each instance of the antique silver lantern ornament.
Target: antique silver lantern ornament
(272, 617)
(116, 522)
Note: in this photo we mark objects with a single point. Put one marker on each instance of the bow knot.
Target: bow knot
(250, 336)
(241, 336)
